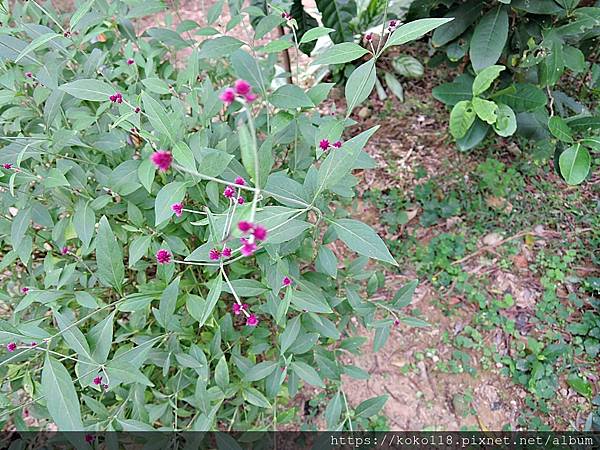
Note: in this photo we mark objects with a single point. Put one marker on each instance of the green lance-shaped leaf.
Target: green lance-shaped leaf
(19, 227)
(35, 44)
(138, 248)
(290, 96)
(260, 370)
(248, 151)
(333, 411)
(211, 300)
(405, 294)
(183, 155)
(89, 89)
(168, 301)
(171, 193)
(84, 221)
(414, 30)
(219, 47)
(341, 53)
(360, 84)
(222, 373)
(306, 24)
(101, 337)
(289, 335)
(307, 373)
(394, 85)
(61, 398)
(362, 239)
(80, 13)
(371, 407)
(109, 256)
(315, 33)
(158, 117)
(339, 162)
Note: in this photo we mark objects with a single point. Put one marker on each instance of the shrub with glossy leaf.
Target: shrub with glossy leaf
(166, 229)
(532, 71)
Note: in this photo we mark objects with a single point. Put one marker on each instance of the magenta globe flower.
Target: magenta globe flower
(177, 208)
(227, 96)
(163, 256)
(252, 320)
(162, 159)
(242, 87)
(244, 226)
(229, 192)
(214, 254)
(260, 232)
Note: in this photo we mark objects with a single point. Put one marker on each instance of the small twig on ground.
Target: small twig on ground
(492, 247)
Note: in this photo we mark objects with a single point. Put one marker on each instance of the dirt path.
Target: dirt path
(423, 398)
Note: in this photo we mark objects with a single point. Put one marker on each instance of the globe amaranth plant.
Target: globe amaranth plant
(547, 88)
(167, 215)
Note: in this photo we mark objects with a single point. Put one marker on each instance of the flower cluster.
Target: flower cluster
(392, 25)
(216, 254)
(287, 281)
(256, 233)
(11, 347)
(130, 61)
(116, 98)
(239, 309)
(98, 382)
(325, 145)
(177, 208)
(229, 191)
(64, 250)
(7, 166)
(252, 320)
(241, 90)
(162, 159)
(163, 256)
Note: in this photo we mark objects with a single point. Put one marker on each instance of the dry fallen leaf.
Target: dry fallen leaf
(492, 239)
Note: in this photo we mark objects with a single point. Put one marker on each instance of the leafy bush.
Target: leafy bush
(545, 90)
(166, 229)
